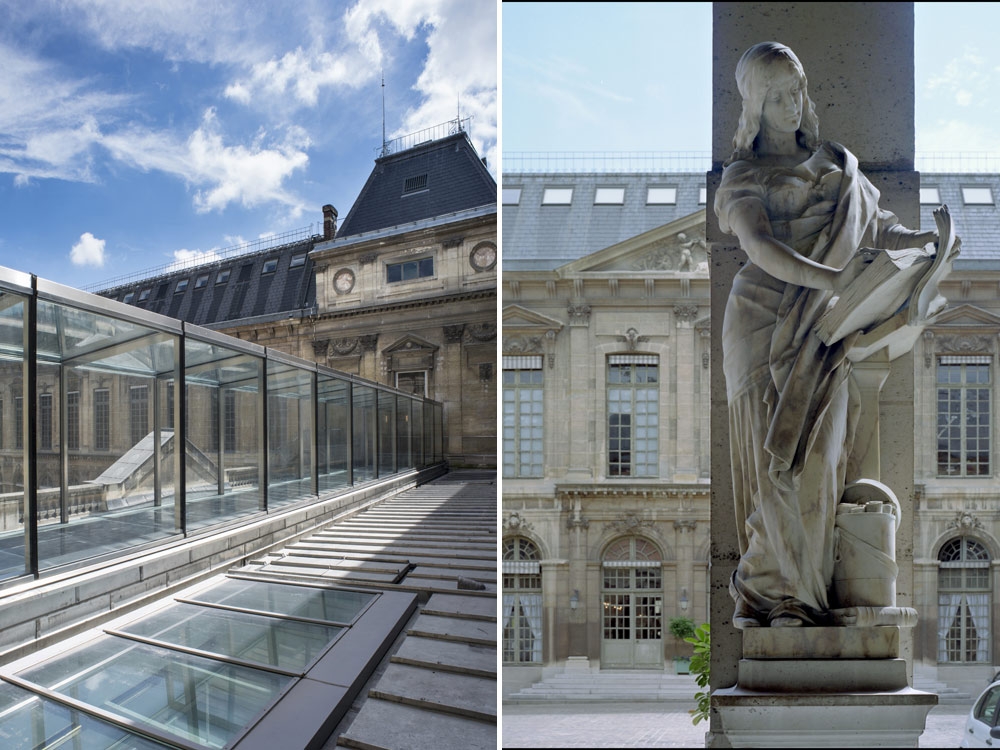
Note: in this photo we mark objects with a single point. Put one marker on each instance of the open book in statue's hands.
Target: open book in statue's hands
(892, 281)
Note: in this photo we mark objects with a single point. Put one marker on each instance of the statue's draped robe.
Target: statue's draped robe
(792, 403)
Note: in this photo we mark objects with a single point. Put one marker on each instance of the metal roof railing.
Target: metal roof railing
(290, 237)
(643, 162)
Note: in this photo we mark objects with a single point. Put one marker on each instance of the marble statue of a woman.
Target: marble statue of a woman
(803, 212)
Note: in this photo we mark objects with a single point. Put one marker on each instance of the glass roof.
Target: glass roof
(315, 604)
(197, 699)
(266, 641)
(32, 722)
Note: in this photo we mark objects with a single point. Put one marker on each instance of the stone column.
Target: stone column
(859, 61)
(579, 374)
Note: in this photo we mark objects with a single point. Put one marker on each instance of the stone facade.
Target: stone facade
(626, 295)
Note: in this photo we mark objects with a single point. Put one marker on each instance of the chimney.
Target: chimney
(329, 222)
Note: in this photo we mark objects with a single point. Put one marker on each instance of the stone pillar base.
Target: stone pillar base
(866, 719)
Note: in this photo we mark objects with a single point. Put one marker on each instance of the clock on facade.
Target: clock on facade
(483, 256)
(343, 280)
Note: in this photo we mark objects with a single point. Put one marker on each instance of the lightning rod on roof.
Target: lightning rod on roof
(385, 144)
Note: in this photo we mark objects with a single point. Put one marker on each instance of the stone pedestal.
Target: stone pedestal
(847, 686)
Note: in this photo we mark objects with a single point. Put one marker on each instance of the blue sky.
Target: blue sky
(637, 77)
(134, 134)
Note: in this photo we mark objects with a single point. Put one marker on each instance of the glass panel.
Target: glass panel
(364, 433)
(329, 605)
(289, 424)
(286, 644)
(198, 699)
(404, 451)
(417, 431)
(27, 721)
(386, 433)
(119, 489)
(12, 366)
(223, 477)
(333, 431)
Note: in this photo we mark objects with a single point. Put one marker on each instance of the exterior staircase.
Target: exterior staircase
(927, 681)
(573, 685)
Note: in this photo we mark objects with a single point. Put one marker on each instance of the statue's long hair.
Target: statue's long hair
(751, 79)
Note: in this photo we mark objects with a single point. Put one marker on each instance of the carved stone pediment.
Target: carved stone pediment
(410, 353)
(683, 252)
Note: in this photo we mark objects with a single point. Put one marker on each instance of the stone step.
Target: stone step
(455, 629)
(387, 725)
(463, 658)
(463, 695)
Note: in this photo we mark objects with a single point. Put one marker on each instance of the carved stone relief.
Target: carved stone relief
(677, 253)
(579, 314)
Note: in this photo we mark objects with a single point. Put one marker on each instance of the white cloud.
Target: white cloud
(185, 258)
(89, 251)
(220, 173)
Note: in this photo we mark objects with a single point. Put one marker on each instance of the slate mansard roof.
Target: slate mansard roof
(542, 237)
(433, 179)
(270, 284)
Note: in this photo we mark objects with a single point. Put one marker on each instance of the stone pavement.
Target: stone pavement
(665, 724)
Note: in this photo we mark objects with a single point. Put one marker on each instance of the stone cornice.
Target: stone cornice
(658, 490)
(407, 304)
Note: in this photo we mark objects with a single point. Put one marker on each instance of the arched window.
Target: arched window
(964, 602)
(632, 604)
(522, 601)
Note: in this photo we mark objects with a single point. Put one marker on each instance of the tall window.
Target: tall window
(633, 415)
(18, 421)
(229, 417)
(632, 595)
(522, 601)
(964, 602)
(138, 412)
(963, 416)
(45, 421)
(412, 382)
(522, 417)
(102, 419)
(73, 420)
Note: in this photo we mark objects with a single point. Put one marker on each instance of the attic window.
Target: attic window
(981, 196)
(128, 297)
(223, 277)
(614, 196)
(297, 260)
(930, 196)
(181, 286)
(661, 196)
(557, 196)
(144, 295)
(413, 184)
(201, 281)
(511, 196)
(270, 266)
(702, 196)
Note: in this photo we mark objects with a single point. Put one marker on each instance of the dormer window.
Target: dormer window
(297, 260)
(127, 299)
(270, 266)
(144, 295)
(415, 184)
(223, 277)
(201, 281)
(181, 286)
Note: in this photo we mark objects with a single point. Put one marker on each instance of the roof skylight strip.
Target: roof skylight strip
(213, 655)
(265, 613)
(144, 730)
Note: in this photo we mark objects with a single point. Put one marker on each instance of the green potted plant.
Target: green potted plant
(681, 628)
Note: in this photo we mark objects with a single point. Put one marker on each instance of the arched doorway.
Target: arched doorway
(522, 601)
(964, 602)
(632, 605)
